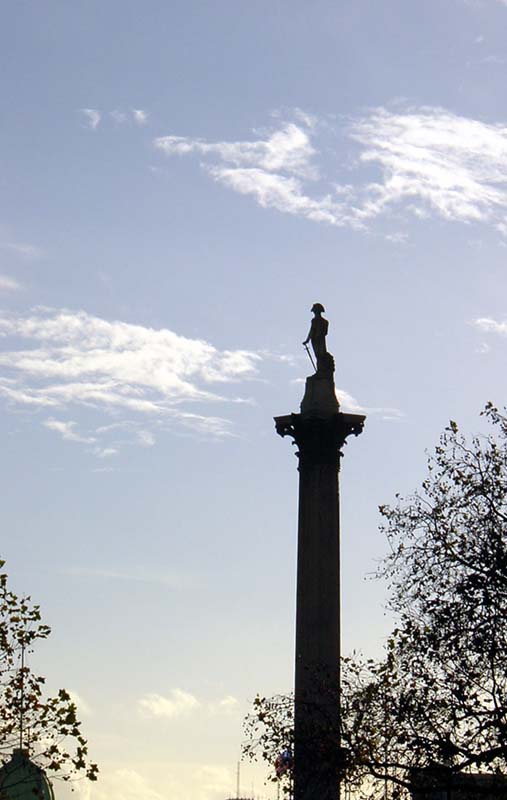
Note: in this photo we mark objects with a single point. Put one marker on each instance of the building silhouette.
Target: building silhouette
(441, 784)
(21, 779)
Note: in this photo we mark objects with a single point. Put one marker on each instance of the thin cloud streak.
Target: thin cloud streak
(166, 578)
(428, 160)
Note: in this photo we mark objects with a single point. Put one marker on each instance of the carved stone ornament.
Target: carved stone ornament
(319, 441)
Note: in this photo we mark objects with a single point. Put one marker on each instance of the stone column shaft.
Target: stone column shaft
(317, 667)
(317, 750)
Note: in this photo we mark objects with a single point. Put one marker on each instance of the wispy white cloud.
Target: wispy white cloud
(128, 432)
(146, 438)
(427, 161)
(482, 3)
(92, 117)
(8, 284)
(159, 781)
(450, 165)
(284, 193)
(104, 452)
(62, 359)
(180, 703)
(67, 430)
(23, 249)
(493, 59)
(489, 325)
(288, 149)
(177, 703)
(213, 782)
(397, 238)
(120, 784)
(83, 709)
(174, 580)
(483, 348)
(273, 169)
(350, 404)
(225, 705)
(136, 115)
(140, 116)
(118, 116)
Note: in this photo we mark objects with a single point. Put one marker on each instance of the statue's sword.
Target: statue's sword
(310, 356)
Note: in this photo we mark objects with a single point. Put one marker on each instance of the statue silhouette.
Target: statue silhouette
(317, 336)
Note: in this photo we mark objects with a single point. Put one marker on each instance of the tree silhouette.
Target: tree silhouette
(47, 727)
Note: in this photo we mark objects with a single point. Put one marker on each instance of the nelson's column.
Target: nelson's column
(319, 432)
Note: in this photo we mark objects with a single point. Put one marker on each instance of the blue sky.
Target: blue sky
(180, 183)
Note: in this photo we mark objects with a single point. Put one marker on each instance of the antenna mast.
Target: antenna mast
(22, 696)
